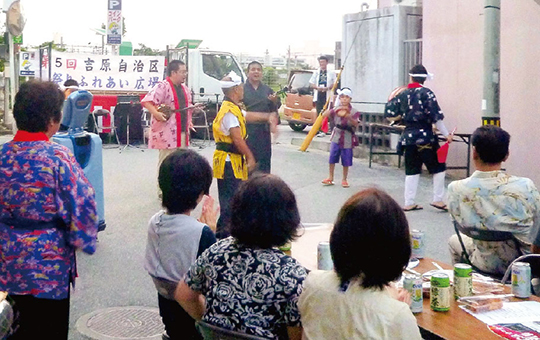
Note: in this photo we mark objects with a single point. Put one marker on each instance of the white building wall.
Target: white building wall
(374, 66)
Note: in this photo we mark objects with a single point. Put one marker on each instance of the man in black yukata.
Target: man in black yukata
(418, 110)
(260, 101)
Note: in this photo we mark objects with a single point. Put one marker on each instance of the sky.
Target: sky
(238, 26)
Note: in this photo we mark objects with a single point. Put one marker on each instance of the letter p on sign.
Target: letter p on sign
(115, 5)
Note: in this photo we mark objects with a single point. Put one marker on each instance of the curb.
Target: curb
(358, 152)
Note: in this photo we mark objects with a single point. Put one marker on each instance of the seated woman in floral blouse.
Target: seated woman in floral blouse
(248, 285)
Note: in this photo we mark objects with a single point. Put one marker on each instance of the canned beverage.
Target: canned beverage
(417, 244)
(521, 279)
(413, 284)
(408, 280)
(286, 248)
(440, 292)
(417, 296)
(324, 258)
(462, 280)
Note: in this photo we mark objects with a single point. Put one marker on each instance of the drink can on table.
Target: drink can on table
(408, 280)
(521, 279)
(417, 244)
(324, 258)
(286, 248)
(440, 292)
(413, 284)
(462, 280)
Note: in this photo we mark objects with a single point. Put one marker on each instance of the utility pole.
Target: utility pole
(492, 63)
(289, 60)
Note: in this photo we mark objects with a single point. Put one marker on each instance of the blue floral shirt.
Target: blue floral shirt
(494, 200)
(254, 291)
(40, 181)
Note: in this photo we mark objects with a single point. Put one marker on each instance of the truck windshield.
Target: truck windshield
(219, 65)
(300, 80)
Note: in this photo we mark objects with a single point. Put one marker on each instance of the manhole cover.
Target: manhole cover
(122, 323)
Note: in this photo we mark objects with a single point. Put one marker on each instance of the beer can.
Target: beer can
(462, 280)
(286, 248)
(440, 292)
(417, 296)
(521, 279)
(324, 258)
(413, 284)
(408, 280)
(417, 244)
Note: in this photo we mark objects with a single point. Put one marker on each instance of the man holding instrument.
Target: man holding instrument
(261, 104)
(168, 103)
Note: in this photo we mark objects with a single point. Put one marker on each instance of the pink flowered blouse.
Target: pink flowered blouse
(165, 135)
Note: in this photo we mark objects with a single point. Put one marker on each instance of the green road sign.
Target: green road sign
(18, 39)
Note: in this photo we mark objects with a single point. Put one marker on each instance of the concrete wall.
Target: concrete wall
(374, 67)
(453, 51)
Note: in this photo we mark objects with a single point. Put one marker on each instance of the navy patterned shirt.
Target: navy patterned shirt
(254, 291)
(419, 109)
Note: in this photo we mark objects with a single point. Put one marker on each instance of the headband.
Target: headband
(345, 92)
(429, 76)
(235, 81)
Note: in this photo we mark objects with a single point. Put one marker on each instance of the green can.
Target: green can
(439, 297)
(462, 280)
(286, 248)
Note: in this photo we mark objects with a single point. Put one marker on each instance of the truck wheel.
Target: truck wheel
(297, 126)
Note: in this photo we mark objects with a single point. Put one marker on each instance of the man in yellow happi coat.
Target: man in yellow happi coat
(232, 158)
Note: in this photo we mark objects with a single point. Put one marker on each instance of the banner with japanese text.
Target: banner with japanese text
(106, 72)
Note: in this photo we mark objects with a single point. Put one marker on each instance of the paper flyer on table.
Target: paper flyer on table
(516, 320)
(512, 312)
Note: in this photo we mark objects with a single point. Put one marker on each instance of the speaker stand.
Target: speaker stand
(128, 123)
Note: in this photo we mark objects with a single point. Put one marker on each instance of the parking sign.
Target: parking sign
(114, 22)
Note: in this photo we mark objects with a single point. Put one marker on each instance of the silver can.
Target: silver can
(408, 280)
(521, 279)
(324, 258)
(417, 296)
(417, 244)
(413, 284)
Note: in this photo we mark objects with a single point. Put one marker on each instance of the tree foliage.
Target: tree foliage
(145, 50)
(55, 47)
